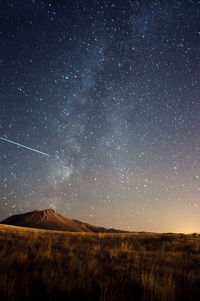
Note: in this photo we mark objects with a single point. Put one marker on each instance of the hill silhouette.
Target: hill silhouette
(50, 220)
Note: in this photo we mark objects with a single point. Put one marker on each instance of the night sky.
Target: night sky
(110, 90)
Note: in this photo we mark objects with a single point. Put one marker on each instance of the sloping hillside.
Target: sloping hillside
(51, 220)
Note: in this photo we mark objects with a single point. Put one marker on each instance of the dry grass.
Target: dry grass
(50, 265)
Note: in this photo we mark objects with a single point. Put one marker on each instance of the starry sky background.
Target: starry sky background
(110, 89)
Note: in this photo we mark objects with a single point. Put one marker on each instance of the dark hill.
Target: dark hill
(50, 220)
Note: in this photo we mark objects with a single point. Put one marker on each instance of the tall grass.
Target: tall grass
(48, 265)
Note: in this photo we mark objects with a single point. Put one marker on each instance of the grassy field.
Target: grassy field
(50, 265)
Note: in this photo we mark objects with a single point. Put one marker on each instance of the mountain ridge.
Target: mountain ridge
(51, 220)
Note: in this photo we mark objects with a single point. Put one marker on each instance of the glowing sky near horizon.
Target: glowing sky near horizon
(111, 90)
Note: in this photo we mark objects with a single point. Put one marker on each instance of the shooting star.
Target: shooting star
(21, 145)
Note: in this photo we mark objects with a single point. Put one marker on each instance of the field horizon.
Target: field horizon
(50, 219)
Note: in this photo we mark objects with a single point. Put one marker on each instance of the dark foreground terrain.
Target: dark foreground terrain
(49, 265)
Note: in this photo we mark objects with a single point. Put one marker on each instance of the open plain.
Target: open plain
(56, 265)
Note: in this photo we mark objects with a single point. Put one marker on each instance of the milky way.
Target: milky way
(111, 90)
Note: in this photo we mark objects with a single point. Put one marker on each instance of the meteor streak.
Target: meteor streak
(21, 145)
